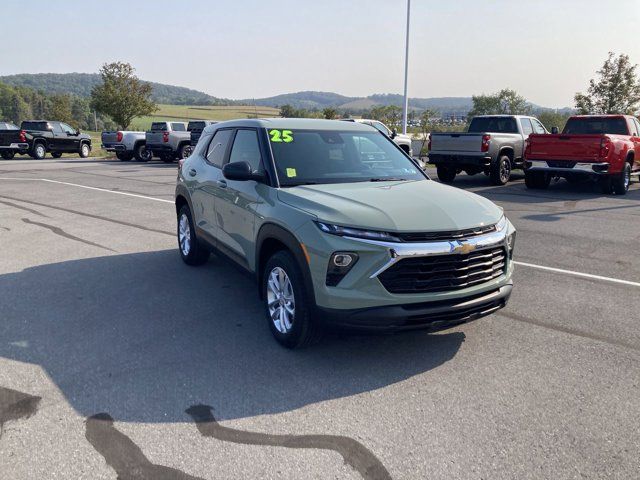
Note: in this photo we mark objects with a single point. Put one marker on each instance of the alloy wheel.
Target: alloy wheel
(184, 235)
(280, 300)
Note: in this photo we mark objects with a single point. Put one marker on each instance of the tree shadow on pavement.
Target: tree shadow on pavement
(142, 336)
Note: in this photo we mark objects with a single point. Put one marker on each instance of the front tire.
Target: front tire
(620, 183)
(500, 172)
(85, 150)
(537, 180)
(288, 307)
(191, 250)
(446, 174)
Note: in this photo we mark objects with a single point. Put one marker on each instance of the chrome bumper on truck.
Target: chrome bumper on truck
(15, 146)
(561, 166)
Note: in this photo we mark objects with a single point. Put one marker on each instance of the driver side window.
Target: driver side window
(67, 129)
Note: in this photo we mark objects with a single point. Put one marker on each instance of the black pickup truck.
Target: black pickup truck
(196, 127)
(37, 137)
(12, 140)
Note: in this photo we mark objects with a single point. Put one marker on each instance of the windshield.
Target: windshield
(493, 125)
(596, 126)
(304, 157)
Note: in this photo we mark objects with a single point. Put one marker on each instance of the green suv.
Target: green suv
(340, 227)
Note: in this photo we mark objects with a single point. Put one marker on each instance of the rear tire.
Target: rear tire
(39, 151)
(446, 174)
(500, 172)
(8, 154)
(290, 316)
(85, 150)
(184, 152)
(537, 180)
(141, 153)
(620, 183)
(191, 250)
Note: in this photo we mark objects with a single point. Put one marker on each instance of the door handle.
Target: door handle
(222, 183)
(193, 172)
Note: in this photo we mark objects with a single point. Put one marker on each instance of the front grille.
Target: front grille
(450, 235)
(441, 273)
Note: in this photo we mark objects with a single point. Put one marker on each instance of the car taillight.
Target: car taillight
(119, 137)
(486, 139)
(165, 137)
(605, 145)
(23, 136)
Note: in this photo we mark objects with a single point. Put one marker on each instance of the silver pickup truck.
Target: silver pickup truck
(126, 145)
(493, 144)
(403, 141)
(169, 140)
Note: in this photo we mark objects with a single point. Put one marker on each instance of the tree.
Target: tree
(426, 125)
(121, 95)
(287, 111)
(551, 119)
(59, 109)
(329, 113)
(616, 90)
(387, 114)
(505, 102)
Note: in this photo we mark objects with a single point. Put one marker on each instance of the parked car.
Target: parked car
(330, 219)
(601, 147)
(196, 127)
(12, 140)
(44, 136)
(126, 145)
(403, 141)
(493, 144)
(168, 140)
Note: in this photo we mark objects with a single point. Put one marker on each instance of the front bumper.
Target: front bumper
(460, 159)
(432, 316)
(15, 146)
(561, 167)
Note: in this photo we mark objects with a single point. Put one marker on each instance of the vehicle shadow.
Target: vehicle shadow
(142, 337)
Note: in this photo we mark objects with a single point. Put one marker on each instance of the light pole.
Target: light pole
(405, 110)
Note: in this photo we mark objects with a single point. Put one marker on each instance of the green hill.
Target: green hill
(81, 84)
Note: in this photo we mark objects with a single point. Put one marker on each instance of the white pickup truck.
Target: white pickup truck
(169, 140)
(126, 145)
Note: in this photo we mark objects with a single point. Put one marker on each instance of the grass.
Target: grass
(184, 113)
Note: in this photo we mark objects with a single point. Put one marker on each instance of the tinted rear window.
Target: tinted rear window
(178, 127)
(42, 126)
(195, 126)
(596, 126)
(159, 127)
(493, 125)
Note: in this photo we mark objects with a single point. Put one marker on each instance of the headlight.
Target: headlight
(356, 232)
(511, 243)
(501, 224)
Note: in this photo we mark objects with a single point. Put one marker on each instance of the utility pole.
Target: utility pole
(406, 73)
(95, 120)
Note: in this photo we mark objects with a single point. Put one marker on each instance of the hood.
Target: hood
(410, 206)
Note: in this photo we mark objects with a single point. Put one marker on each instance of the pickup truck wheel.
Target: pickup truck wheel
(84, 150)
(446, 174)
(39, 151)
(56, 154)
(537, 180)
(8, 154)
(167, 157)
(184, 152)
(142, 154)
(124, 156)
(191, 250)
(287, 305)
(500, 171)
(620, 183)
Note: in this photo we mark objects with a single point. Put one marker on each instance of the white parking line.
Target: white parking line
(524, 264)
(579, 274)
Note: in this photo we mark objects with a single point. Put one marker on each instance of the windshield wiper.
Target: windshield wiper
(388, 179)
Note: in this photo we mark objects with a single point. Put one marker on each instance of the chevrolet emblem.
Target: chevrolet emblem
(462, 248)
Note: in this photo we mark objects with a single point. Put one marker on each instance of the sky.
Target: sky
(546, 50)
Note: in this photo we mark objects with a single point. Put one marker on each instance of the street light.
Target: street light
(406, 73)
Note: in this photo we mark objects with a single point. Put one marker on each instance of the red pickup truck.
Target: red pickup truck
(603, 147)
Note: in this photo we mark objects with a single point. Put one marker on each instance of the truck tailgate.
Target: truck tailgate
(564, 147)
(8, 137)
(109, 137)
(455, 142)
(154, 138)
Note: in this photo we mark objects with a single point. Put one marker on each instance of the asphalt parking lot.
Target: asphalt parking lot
(119, 361)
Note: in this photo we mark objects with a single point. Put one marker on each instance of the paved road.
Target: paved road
(116, 360)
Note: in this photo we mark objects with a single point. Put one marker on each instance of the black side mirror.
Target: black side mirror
(554, 130)
(240, 171)
(394, 134)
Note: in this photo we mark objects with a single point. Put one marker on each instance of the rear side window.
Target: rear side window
(178, 127)
(57, 128)
(527, 129)
(596, 126)
(537, 126)
(159, 127)
(493, 125)
(39, 126)
(218, 147)
(246, 149)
